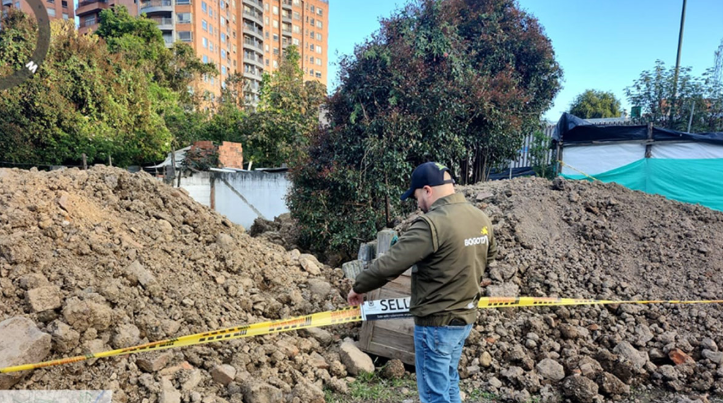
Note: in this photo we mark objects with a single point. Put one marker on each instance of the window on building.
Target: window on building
(266, 6)
(296, 29)
(90, 21)
(223, 70)
(313, 9)
(276, 51)
(210, 46)
(297, 2)
(210, 12)
(312, 35)
(318, 74)
(319, 12)
(213, 80)
(312, 22)
(185, 36)
(205, 43)
(183, 18)
(267, 62)
(295, 41)
(311, 59)
(267, 48)
(183, 2)
(275, 10)
(65, 16)
(234, 48)
(318, 61)
(204, 7)
(205, 59)
(311, 47)
(222, 4)
(311, 72)
(223, 55)
(276, 64)
(210, 29)
(267, 34)
(319, 24)
(276, 38)
(204, 25)
(297, 16)
(223, 21)
(267, 20)
(318, 36)
(51, 12)
(223, 37)
(318, 49)
(275, 23)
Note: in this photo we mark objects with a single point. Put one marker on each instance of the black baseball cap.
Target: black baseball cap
(427, 174)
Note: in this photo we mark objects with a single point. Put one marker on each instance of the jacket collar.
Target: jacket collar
(454, 198)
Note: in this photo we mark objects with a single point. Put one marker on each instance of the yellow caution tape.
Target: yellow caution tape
(575, 169)
(346, 315)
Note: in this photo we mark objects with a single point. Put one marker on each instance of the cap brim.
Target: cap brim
(406, 194)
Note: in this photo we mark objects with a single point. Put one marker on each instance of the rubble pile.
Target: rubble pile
(602, 241)
(102, 259)
(283, 230)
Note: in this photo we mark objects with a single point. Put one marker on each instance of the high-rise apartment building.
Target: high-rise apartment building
(57, 9)
(304, 23)
(239, 36)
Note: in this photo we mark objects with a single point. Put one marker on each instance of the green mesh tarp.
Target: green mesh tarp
(696, 181)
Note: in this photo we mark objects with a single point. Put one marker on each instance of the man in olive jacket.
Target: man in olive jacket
(448, 249)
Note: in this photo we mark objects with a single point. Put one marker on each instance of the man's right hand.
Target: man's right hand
(355, 299)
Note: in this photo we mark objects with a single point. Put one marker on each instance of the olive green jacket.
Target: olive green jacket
(449, 247)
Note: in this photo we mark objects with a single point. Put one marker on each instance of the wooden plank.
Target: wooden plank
(393, 339)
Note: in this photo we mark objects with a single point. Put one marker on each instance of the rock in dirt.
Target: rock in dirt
(394, 369)
(44, 298)
(580, 388)
(355, 360)
(223, 374)
(551, 369)
(21, 342)
(261, 392)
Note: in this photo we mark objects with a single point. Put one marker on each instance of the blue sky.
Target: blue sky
(602, 45)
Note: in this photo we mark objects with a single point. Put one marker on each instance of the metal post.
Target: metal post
(677, 65)
(690, 121)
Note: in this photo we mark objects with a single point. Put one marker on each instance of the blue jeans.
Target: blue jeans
(437, 352)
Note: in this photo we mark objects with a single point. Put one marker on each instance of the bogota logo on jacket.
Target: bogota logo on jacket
(480, 240)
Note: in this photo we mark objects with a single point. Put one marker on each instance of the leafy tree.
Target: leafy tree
(595, 104)
(456, 81)
(701, 96)
(287, 114)
(82, 99)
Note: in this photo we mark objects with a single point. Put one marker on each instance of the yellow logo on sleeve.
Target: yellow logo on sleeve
(484, 231)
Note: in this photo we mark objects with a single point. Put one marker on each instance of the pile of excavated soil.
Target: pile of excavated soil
(602, 241)
(101, 259)
(283, 231)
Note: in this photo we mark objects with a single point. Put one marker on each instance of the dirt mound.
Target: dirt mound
(104, 259)
(283, 231)
(602, 241)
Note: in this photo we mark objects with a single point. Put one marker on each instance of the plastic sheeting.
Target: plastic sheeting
(596, 159)
(696, 181)
(686, 151)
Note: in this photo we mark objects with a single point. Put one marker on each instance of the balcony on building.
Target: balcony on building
(253, 43)
(253, 15)
(91, 6)
(255, 3)
(253, 29)
(156, 6)
(286, 4)
(164, 23)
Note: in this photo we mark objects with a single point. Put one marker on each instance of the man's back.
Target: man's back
(446, 284)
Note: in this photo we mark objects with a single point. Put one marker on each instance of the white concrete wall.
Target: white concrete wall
(199, 187)
(260, 192)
